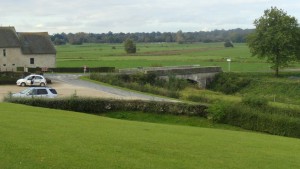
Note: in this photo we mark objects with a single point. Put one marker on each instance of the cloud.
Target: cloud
(136, 15)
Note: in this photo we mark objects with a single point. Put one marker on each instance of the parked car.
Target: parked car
(46, 92)
(32, 80)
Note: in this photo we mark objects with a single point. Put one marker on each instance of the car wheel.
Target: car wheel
(42, 84)
(23, 84)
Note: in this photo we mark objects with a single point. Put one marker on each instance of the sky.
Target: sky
(102, 16)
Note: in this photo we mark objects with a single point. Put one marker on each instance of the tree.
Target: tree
(129, 46)
(76, 39)
(228, 43)
(277, 38)
(59, 39)
(179, 37)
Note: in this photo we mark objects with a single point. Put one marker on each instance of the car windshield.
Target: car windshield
(25, 91)
(28, 77)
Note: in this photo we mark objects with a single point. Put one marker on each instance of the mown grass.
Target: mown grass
(44, 138)
(169, 119)
(161, 54)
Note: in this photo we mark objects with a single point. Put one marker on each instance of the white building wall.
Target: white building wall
(14, 58)
(42, 61)
(10, 59)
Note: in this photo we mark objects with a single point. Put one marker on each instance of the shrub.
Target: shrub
(255, 101)
(144, 82)
(75, 69)
(217, 111)
(198, 98)
(98, 106)
(130, 46)
(228, 43)
(228, 83)
(263, 120)
(11, 77)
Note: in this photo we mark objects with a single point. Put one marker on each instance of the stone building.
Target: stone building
(22, 50)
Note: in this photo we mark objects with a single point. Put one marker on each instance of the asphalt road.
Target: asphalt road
(73, 79)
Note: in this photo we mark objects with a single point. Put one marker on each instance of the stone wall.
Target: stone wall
(184, 70)
(202, 75)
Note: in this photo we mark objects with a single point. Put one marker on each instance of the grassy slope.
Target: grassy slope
(282, 89)
(170, 119)
(277, 90)
(45, 138)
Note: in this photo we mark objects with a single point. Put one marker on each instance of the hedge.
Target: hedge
(269, 120)
(100, 105)
(11, 77)
(74, 69)
(263, 121)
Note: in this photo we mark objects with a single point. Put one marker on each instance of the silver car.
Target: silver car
(45, 92)
(32, 80)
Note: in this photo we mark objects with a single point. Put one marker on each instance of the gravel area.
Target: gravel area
(63, 90)
(69, 84)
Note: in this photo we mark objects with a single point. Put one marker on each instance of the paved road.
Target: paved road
(73, 79)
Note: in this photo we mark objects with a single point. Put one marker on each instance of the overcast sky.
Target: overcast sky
(102, 16)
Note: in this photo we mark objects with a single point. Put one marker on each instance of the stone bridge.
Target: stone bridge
(201, 75)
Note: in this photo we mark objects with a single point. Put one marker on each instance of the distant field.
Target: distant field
(37, 138)
(160, 54)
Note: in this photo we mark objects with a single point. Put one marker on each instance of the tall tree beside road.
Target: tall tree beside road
(277, 38)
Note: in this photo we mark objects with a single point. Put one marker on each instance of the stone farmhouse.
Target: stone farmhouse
(23, 50)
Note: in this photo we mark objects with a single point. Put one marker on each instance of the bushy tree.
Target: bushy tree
(179, 37)
(129, 46)
(277, 38)
(59, 39)
(228, 44)
(76, 39)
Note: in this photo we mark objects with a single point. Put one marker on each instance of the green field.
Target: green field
(161, 54)
(44, 138)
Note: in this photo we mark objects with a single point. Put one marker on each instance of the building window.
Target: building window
(4, 52)
(32, 61)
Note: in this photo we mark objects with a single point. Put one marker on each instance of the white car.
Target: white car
(46, 92)
(32, 80)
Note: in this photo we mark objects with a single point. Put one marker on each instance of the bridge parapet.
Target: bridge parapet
(184, 70)
(202, 75)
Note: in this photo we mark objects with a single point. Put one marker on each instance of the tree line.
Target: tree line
(234, 35)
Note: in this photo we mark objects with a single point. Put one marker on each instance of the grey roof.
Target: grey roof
(30, 43)
(8, 38)
(36, 43)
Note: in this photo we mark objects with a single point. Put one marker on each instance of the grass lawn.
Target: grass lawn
(161, 54)
(44, 138)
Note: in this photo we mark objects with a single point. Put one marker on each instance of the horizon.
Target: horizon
(150, 32)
